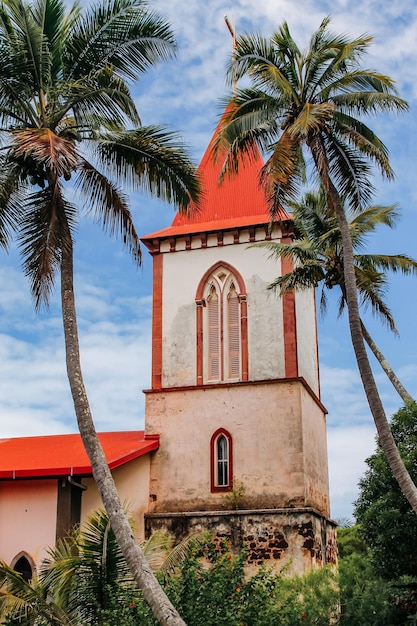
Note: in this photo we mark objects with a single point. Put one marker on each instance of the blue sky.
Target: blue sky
(114, 298)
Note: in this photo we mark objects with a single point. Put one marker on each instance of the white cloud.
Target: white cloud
(348, 447)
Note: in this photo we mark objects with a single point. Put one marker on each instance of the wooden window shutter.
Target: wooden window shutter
(233, 333)
(214, 347)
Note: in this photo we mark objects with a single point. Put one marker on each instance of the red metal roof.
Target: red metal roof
(238, 201)
(63, 455)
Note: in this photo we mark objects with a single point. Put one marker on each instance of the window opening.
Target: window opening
(24, 568)
(221, 326)
(222, 462)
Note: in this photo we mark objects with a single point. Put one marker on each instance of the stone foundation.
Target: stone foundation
(299, 539)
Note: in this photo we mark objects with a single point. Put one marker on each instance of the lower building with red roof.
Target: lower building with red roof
(46, 486)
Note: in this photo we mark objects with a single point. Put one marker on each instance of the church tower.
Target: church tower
(235, 392)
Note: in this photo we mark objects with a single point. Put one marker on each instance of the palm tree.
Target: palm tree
(312, 102)
(85, 577)
(67, 118)
(317, 252)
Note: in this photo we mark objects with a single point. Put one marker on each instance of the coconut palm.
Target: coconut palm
(68, 123)
(84, 579)
(317, 253)
(310, 102)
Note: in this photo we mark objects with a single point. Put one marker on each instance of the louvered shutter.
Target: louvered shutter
(213, 314)
(233, 333)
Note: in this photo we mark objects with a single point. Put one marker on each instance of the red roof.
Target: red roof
(63, 455)
(238, 201)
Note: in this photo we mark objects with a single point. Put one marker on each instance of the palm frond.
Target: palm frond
(43, 235)
(154, 160)
(11, 201)
(177, 555)
(109, 206)
(120, 33)
(282, 174)
(399, 263)
(307, 276)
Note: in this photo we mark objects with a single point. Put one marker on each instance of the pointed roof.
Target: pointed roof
(236, 202)
(64, 455)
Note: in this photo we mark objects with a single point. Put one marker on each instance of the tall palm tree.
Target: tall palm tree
(317, 252)
(67, 118)
(311, 102)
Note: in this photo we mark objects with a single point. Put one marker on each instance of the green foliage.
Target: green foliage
(91, 585)
(235, 497)
(350, 541)
(365, 599)
(212, 589)
(386, 520)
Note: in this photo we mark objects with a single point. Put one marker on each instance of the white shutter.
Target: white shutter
(213, 315)
(233, 333)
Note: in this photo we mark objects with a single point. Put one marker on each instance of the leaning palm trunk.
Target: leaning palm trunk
(386, 439)
(397, 384)
(159, 603)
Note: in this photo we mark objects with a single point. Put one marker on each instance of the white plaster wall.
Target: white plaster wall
(132, 482)
(269, 445)
(305, 307)
(27, 518)
(182, 272)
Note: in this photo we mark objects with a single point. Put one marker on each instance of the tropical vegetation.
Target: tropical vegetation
(85, 580)
(317, 255)
(71, 137)
(386, 522)
(313, 103)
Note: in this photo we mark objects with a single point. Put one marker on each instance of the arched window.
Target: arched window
(24, 565)
(222, 351)
(221, 461)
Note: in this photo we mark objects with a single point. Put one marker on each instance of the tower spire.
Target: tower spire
(233, 34)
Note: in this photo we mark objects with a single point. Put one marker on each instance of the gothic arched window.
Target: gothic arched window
(24, 565)
(222, 352)
(221, 461)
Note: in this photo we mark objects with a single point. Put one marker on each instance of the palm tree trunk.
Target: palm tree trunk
(384, 431)
(154, 595)
(397, 384)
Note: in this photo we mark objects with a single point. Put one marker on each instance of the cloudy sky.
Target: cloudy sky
(114, 298)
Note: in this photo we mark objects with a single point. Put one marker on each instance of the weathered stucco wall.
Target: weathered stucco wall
(278, 449)
(307, 338)
(132, 482)
(27, 518)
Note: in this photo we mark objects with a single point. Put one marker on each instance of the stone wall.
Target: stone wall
(299, 539)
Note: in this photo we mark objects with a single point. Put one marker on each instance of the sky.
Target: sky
(114, 297)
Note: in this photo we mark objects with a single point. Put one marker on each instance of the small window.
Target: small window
(221, 461)
(222, 450)
(24, 566)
